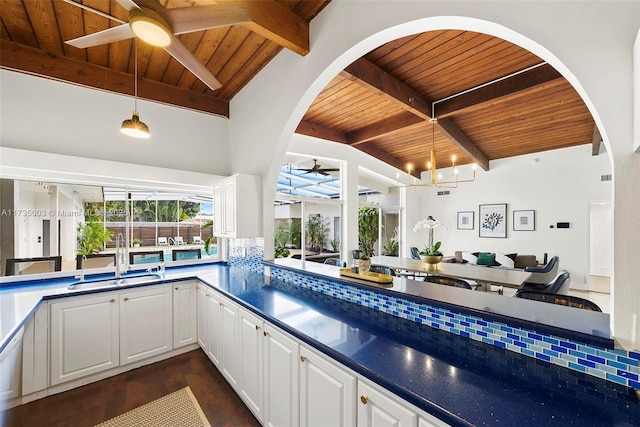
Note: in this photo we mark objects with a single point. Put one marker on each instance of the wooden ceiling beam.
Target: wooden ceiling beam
(502, 88)
(317, 131)
(382, 128)
(379, 81)
(45, 64)
(447, 127)
(596, 141)
(375, 79)
(278, 24)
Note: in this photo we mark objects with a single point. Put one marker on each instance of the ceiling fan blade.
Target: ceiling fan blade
(191, 63)
(110, 35)
(128, 5)
(198, 18)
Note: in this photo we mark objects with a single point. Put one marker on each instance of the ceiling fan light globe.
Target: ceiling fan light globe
(135, 128)
(150, 30)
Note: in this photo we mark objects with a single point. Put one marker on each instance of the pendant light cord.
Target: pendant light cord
(135, 74)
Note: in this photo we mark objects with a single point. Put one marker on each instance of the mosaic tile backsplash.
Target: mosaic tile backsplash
(247, 253)
(615, 365)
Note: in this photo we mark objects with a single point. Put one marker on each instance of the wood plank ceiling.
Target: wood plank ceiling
(492, 99)
(34, 34)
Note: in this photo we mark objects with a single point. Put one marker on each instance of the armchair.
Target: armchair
(558, 286)
(543, 275)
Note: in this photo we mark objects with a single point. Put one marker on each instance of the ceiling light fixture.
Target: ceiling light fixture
(134, 127)
(149, 27)
(436, 180)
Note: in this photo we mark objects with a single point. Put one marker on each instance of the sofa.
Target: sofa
(493, 259)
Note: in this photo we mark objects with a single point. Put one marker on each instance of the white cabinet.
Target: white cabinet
(228, 334)
(185, 324)
(281, 360)
(237, 211)
(146, 326)
(96, 333)
(11, 368)
(327, 391)
(377, 408)
(84, 336)
(250, 356)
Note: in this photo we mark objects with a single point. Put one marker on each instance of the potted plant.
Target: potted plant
(431, 254)
(364, 264)
(136, 243)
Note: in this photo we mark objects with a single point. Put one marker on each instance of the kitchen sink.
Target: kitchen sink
(113, 283)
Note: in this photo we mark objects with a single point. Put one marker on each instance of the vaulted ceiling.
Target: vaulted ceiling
(492, 99)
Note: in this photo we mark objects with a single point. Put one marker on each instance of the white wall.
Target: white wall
(558, 188)
(590, 43)
(54, 117)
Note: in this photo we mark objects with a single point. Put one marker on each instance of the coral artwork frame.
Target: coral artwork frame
(492, 221)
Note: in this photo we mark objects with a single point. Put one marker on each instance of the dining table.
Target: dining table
(483, 275)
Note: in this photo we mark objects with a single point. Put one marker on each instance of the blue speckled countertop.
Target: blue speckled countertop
(458, 380)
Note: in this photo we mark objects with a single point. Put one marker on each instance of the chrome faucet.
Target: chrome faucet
(120, 261)
(82, 260)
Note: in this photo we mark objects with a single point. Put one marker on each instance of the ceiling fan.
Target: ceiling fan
(153, 23)
(317, 168)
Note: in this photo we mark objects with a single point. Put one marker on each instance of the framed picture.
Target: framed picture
(524, 220)
(493, 220)
(465, 220)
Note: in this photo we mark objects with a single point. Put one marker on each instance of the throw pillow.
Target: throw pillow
(469, 257)
(486, 258)
(504, 260)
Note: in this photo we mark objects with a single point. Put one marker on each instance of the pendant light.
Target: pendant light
(134, 127)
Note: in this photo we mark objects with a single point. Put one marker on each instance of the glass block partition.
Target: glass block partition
(616, 365)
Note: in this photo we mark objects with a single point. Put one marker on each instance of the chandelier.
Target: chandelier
(435, 179)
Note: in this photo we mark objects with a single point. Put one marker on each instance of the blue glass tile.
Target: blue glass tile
(481, 333)
(585, 362)
(464, 334)
(634, 384)
(617, 379)
(513, 337)
(627, 375)
(499, 344)
(520, 344)
(634, 355)
(481, 322)
(435, 325)
(543, 357)
(535, 336)
(528, 352)
(568, 345)
(596, 359)
(559, 349)
(550, 352)
(577, 367)
(577, 354)
(627, 360)
(551, 340)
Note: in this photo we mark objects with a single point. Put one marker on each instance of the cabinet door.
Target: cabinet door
(281, 360)
(230, 206)
(84, 337)
(327, 392)
(203, 330)
(185, 324)
(218, 209)
(214, 328)
(11, 368)
(250, 356)
(145, 323)
(378, 409)
(230, 362)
